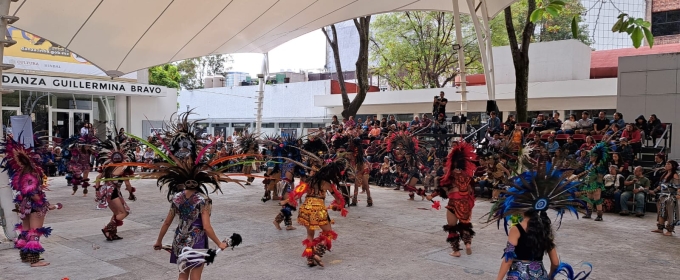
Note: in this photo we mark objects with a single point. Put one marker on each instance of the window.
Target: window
(312, 125)
(403, 117)
(268, 125)
(666, 23)
(289, 125)
(240, 125)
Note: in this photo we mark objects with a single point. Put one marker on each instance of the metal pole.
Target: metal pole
(461, 57)
(6, 194)
(260, 96)
(479, 28)
(489, 48)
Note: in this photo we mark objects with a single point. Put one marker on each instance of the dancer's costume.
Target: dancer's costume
(313, 214)
(404, 148)
(26, 179)
(113, 154)
(537, 190)
(288, 151)
(249, 147)
(80, 162)
(359, 166)
(273, 174)
(594, 179)
(456, 186)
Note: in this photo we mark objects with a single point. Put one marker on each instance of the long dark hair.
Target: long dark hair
(330, 173)
(539, 232)
(674, 169)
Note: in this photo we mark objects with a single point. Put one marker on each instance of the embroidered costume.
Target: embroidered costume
(456, 186)
(594, 180)
(249, 147)
(405, 149)
(313, 214)
(668, 215)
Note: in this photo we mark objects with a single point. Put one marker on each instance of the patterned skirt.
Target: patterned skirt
(527, 270)
(313, 213)
(668, 208)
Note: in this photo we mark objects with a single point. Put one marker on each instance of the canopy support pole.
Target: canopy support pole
(6, 195)
(262, 79)
(484, 43)
(461, 58)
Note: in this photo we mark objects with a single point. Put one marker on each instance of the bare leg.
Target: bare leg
(598, 204)
(452, 220)
(86, 178)
(196, 273)
(36, 221)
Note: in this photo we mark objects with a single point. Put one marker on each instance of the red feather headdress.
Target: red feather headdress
(461, 157)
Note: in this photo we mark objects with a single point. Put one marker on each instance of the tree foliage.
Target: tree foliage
(194, 70)
(414, 49)
(165, 75)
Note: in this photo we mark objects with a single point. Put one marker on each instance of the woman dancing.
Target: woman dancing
(594, 181)
(110, 195)
(532, 193)
(313, 214)
(455, 185)
(26, 178)
(667, 204)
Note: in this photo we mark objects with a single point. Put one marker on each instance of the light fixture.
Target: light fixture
(456, 47)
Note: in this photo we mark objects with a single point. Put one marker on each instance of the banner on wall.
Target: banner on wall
(34, 54)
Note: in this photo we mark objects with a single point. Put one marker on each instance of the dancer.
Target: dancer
(667, 205)
(532, 193)
(110, 195)
(79, 165)
(249, 146)
(292, 166)
(273, 174)
(313, 214)
(361, 169)
(405, 148)
(26, 178)
(594, 181)
(188, 184)
(456, 186)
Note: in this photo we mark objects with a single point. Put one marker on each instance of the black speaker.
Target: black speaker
(491, 106)
(455, 119)
(463, 119)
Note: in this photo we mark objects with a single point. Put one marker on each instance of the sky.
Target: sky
(302, 53)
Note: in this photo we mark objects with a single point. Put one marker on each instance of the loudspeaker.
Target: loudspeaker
(463, 119)
(455, 119)
(491, 106)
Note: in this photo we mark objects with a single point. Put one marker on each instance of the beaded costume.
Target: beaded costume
(405, 149)
(594, 180)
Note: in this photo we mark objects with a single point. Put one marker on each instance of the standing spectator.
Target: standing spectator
(440, 103)
(641, 124)
(570, 147)
(568, 126)
(85, 130)
(655, 127)
(600, 125)
(585, 124)
(634, 138)
(510, 121)
(635, 185)
(494, 123)
(552, 124)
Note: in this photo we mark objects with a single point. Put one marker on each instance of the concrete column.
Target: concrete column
(121, 112)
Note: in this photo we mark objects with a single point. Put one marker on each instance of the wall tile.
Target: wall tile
(662, 81)
(632, 83)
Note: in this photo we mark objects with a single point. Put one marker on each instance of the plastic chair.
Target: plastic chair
(598, 137)
(562, 137)
(579, 137)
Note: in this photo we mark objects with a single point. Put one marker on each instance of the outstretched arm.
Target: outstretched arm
(339, 203)
(164, 229)
(509, 254)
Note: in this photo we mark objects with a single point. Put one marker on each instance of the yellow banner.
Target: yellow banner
(34, 47)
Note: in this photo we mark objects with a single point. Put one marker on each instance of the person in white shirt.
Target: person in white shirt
(85, 130)
(568, 126)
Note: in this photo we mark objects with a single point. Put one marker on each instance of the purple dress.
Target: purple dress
(189, 232)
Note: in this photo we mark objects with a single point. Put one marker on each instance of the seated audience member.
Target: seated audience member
(536, 142)
(657, 169)
(618, 119)
(613, 183)
(425, 121)
(636, 185)
(588, 145)
(392, 121)
(375, 132)
(568, 126)
(655, 127)
(600, 124)
(538, 124)
(552, 146)
(510, 121)
(634, 138)
(552, 124)
(641, 124)
(570, 147)
(625, 150)
(432, 178)
(415, 123)
(385, 173)
(516, 138)
(506, 130)
(494, 123)
(585, 124)
(621, 164)
(614, 131)
(371, 151)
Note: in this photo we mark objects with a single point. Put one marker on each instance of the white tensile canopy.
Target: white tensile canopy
(123, 36)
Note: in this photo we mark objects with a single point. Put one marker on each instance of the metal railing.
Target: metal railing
(666, 136)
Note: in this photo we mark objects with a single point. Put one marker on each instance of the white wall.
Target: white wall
(281, 102)
(548, 61)
(650, 84)
(151, 108)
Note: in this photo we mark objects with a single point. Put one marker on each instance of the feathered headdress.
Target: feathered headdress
(113, 152)
(403, 140)
(601, 151)
(462, 157)
(539, 189)
(247, 141)
(185, 174)
(180, 131)
(23, 167)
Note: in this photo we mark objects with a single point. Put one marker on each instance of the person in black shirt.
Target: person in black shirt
(570, 147)
(600, 125)
(440, 104)
(510, 121)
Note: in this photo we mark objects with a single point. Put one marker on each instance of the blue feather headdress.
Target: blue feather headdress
(540, 189)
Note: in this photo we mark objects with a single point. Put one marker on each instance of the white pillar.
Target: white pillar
(6, 194)
(484, 46)
(461, 57)
(260, 95)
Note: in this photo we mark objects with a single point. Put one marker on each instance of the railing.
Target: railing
(666, 137)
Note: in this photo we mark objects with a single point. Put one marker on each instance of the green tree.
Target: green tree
(414, 49)
(190, 78)
(555, 28)
(164, 75)
(194, 70)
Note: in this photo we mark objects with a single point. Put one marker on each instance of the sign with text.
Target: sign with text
(58, 84)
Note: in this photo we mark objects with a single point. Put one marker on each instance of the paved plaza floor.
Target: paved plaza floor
(395, 239)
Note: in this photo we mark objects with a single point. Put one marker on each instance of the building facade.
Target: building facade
(665, 18)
